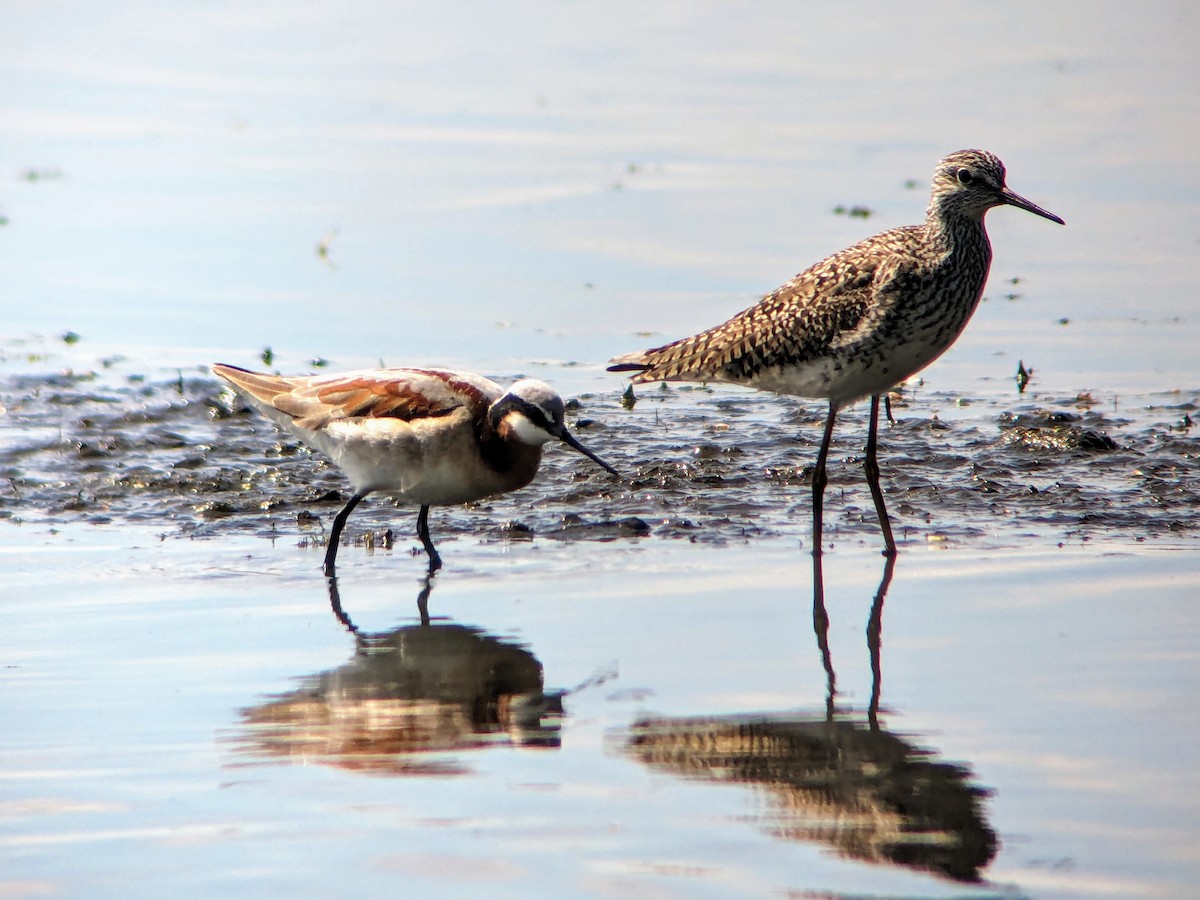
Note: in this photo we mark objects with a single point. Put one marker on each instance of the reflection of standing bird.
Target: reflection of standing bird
(860, 321)
(424, 435)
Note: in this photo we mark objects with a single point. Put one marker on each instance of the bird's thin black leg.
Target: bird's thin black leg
(435, 561)
(335, 533)
(819, 480)
(871, 467)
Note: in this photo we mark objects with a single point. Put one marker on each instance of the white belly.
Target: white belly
(844, 379)
(434, 462)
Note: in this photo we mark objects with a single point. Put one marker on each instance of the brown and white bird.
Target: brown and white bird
(429, 436)
(860, 321)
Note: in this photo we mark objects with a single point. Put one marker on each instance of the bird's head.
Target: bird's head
(531, 412)
(970, 182)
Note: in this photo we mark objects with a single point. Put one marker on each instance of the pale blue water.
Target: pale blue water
(536, 187)
(544, 180)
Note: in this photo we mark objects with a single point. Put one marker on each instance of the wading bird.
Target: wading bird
(429, 436)
(861, 321)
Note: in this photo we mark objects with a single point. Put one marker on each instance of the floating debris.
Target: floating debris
(855, 212)
(1023, 376)
(324, 249)
(33, 175)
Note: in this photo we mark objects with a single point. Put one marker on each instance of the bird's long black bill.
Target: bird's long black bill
(1013, 199)
(569, 439)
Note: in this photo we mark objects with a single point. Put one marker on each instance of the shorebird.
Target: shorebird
(429, 436)
(860, 321)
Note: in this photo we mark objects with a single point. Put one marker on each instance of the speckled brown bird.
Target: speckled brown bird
(860, 321)
(429, 436)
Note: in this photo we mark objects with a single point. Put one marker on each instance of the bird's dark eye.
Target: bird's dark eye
(536, 415)
(965, 177)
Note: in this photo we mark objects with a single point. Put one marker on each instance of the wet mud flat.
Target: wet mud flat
(714, 465)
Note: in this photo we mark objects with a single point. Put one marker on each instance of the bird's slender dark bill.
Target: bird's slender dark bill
(1013, 199)
(569, 439)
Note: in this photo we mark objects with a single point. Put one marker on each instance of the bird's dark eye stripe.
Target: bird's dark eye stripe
(537, 416)
(534, 413)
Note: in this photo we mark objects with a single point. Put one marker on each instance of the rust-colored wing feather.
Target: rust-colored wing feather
(408, 394)
(823, 307)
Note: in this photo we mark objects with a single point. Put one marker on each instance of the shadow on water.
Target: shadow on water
(406, 696)
(834, 776)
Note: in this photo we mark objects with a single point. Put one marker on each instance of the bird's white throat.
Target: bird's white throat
(525, 431)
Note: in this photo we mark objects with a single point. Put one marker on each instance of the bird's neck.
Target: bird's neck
(503, 452)
(958, 230)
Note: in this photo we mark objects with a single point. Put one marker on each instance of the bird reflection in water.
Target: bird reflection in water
(407, 699)
(837, 777)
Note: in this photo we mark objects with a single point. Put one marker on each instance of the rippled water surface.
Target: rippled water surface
(635, 686)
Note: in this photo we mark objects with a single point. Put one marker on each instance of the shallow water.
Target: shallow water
(570, 700)
(614, 686)
(198, 707)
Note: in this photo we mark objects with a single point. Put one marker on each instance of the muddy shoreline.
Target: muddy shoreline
(698, 464)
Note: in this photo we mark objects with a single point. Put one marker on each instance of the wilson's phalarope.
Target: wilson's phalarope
(424, 435)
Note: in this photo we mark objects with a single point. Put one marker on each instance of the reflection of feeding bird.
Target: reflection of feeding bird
(405, 699)
(424, 435)
(860, 321)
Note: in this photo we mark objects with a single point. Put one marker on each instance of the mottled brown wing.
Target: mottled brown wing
(796, 323)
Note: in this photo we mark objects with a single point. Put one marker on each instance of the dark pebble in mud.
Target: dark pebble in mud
(713, 451)
(216, 509)
(789, 476)
(1059, 439)
(516, 531)
(576, 528)
(91, 451)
